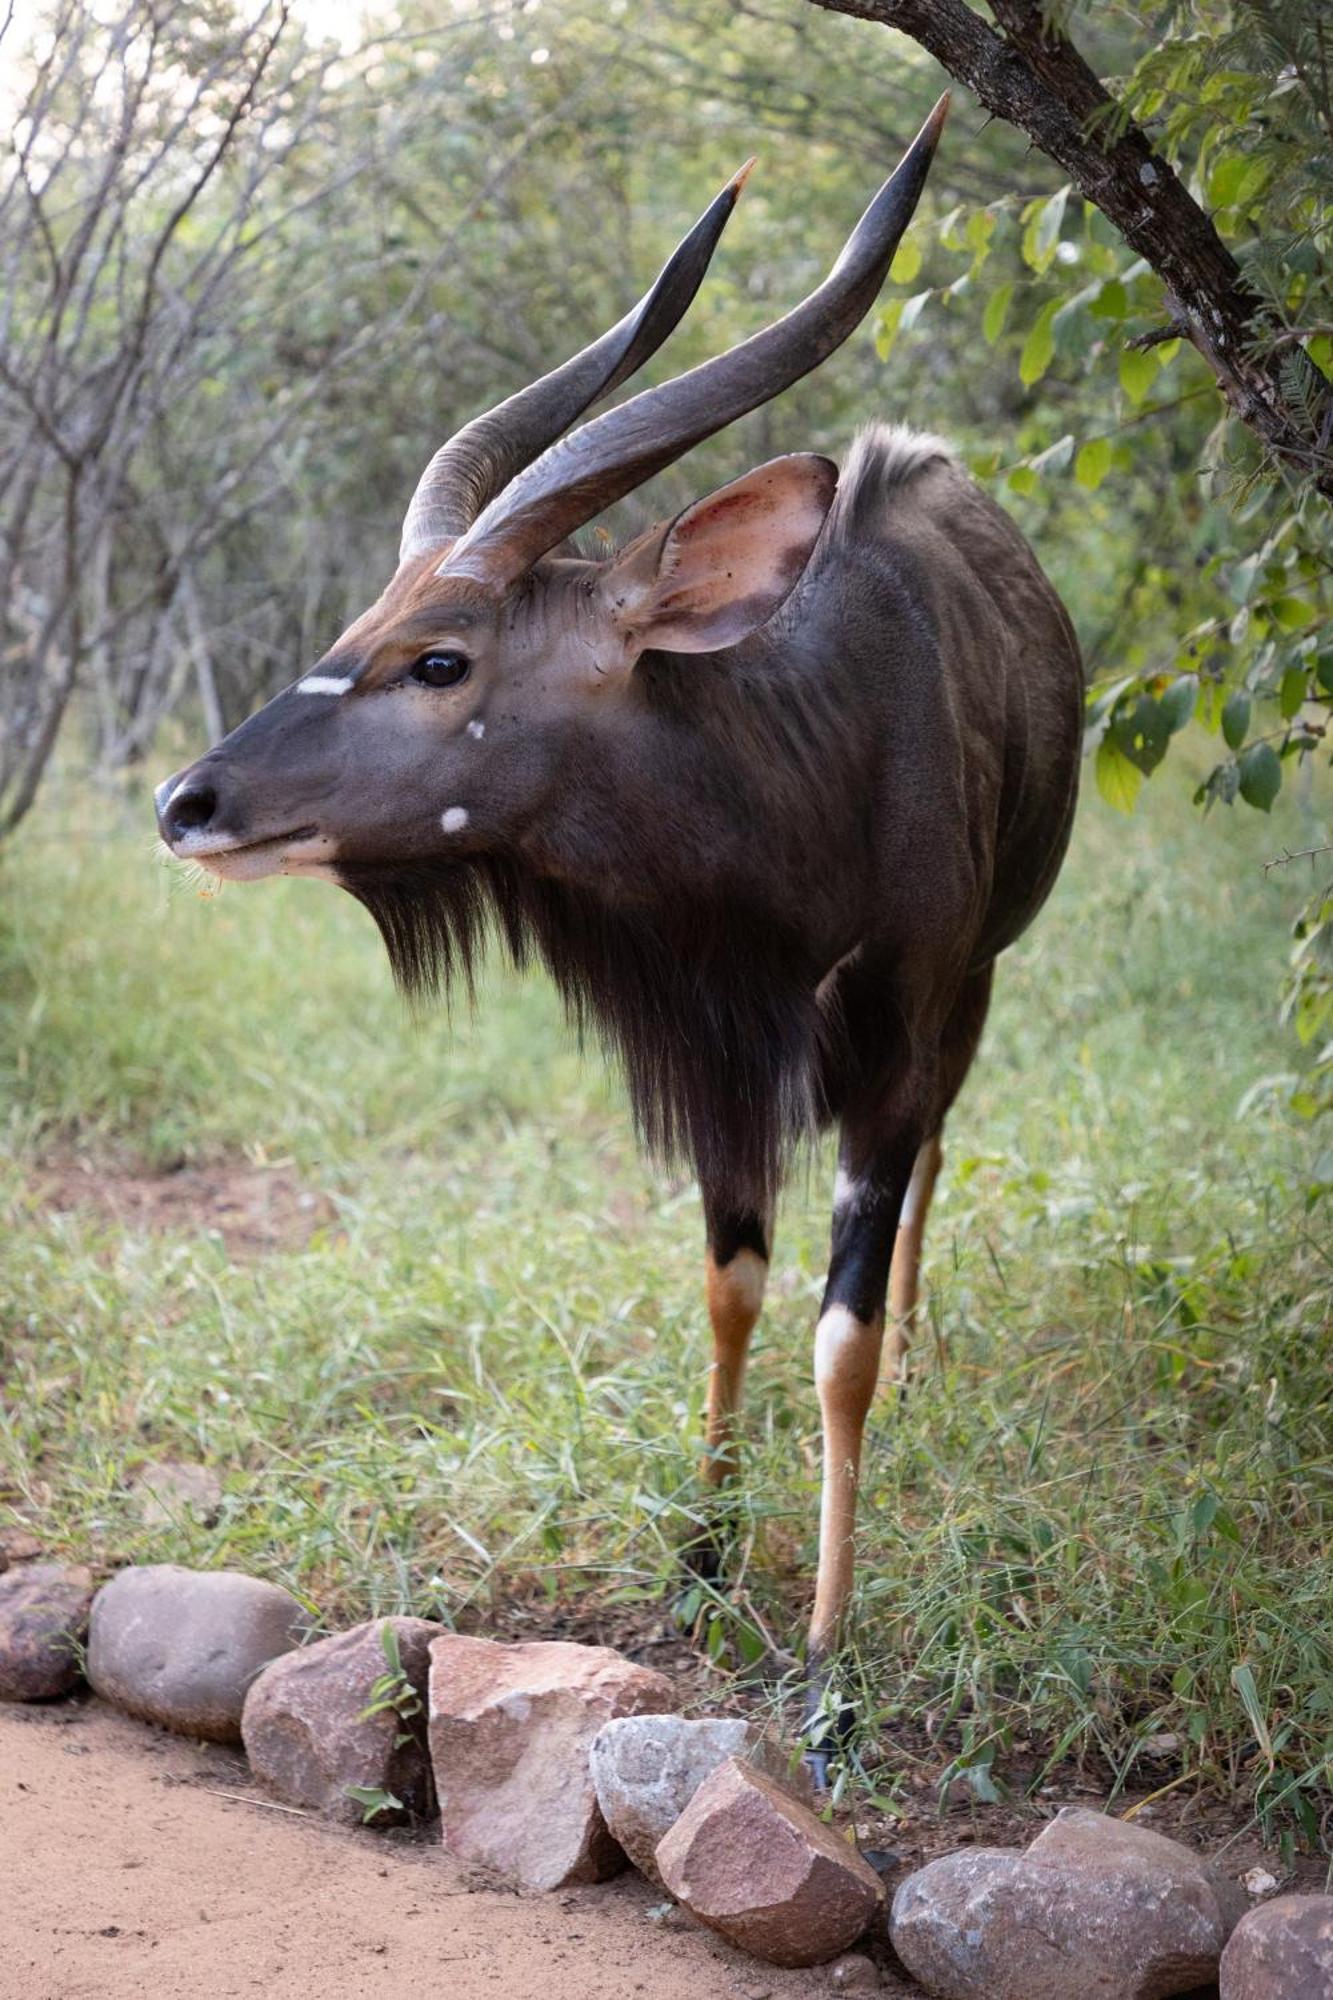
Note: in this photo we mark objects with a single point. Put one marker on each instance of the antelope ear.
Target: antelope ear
(721, 569)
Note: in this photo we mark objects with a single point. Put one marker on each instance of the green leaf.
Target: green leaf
(1293, 614)
(373, 1799)
(1039, 347)
(1177, 704)
(1093, 463)
(1227, 178)
(997, 311)
(887, 330)
(977, 235)
(1042, 232)
(1138, 372)
(906, 262)
(1242, 1679)
(1111, 302)
(1291, 694)
(1023, 480)
(1260, 776)
(1118, 780)
(1323, 672)
(1141, 733)
(1235, 719)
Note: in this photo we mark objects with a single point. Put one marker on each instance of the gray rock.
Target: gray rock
(854, 1973)
(647, 1768)
(1283, 1951)
(755, 1865)
(309, 1739)
(167, 1490)
(181, 1646)
(43, 1623)
(1094, 1907)
(510, 1729)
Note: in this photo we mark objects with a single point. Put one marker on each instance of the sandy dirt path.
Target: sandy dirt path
(123, 1873)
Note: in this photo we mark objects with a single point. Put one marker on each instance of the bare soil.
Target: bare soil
(135, 1864)
(253, 1208)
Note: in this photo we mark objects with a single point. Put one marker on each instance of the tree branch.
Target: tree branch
(1032, 75)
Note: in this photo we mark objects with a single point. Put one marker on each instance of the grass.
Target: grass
(1106, 1511)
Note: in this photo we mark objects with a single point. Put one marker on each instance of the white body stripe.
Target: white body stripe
(324, 684)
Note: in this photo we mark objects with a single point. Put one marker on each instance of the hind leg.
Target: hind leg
(958, 1046)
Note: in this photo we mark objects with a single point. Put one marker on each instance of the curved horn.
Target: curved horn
(583, 473)
(479, 460)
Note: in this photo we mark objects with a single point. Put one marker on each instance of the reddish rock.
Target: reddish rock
(169, 1491)
(1283, 1951)
(1095, 1907)
(308, 1737)
(181, 1646)
(17, 1546)
(753, 1863)
(510, 1732)
(647, 1768)
(43, 1623)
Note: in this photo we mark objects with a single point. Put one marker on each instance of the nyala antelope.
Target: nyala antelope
(768, 790)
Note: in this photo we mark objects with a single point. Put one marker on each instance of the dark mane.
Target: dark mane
(712, 1018)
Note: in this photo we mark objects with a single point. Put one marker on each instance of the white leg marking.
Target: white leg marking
(454, 819)
(838, 1334)
(324, 684)
(916, 1189)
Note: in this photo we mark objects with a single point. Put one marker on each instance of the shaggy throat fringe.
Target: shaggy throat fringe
(711, 1017)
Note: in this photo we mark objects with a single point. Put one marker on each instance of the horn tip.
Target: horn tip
(934, 125)
(738, 180)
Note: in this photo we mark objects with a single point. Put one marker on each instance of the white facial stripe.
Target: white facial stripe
(454, 819)
(476, 730)
(324, 684)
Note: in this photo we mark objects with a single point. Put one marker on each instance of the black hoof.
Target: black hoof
(828, 1729)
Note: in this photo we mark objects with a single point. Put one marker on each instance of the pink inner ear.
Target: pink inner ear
(731, 559)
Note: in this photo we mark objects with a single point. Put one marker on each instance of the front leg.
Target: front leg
(872, 1184)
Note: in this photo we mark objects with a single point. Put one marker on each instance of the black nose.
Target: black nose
(188, 810)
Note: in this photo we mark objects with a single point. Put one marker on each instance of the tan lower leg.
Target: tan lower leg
(735, 1294)
(846, 1369)
(905, 1276)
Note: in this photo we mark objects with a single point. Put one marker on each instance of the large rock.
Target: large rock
(753, 1863)
(181, 1646)
(510, 1731)
(43, 1624)
(307, 1734)
(1094, 1907)
(1282, 1951)
(647, 1768)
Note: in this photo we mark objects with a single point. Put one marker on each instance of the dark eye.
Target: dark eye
(441, 670)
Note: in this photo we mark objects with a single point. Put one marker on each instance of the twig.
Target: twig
(244, 1799)
(1298, 854)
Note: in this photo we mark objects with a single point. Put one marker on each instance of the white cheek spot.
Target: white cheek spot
(476, 730)
(324, 684)
(454, 819)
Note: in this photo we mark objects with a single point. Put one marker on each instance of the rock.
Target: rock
(647, 1768)
(755, 1864)
(166, 1490)
(181, 1646)
(1094, 1907)
(1258, 1882)
(18, 1546)
(309, 1739)
(854, 1973)
(1283, 1951)
(43, 1624)
(510, 1731)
